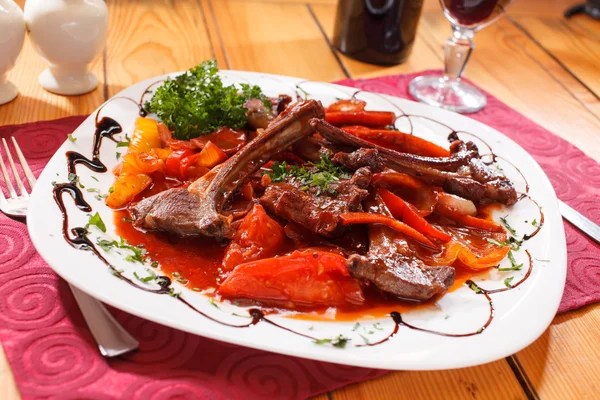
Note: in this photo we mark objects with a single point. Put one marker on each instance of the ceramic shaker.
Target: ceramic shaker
(12, 35)
(69, 35)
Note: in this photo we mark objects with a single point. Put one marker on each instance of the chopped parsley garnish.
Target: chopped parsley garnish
(111, 189)
(514, 244)
(318, 175)
(536, 224)
(118, 155)
(338, 341)
(507, 281)
(138, 251)
(72, 138)
(364, 338)
(475, 288)
(154, 264)
(146, 279)
(197, 102)
(514, 266)
(304, 92)
(213, 303)
(377, 326)
(94, 178)
(356, 326)
(507, 225)
(96, 220)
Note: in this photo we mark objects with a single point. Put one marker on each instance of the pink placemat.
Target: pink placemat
(53, 355)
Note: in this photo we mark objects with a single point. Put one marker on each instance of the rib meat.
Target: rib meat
(200, 210)
(391, 265)
(463, 173)
(318, 212)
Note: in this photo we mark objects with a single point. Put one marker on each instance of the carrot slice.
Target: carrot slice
(354, 218)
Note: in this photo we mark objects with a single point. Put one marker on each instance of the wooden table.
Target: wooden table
(546, 67)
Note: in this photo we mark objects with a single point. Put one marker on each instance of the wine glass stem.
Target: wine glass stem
(457, 50)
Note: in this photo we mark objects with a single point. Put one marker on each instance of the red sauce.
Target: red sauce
(198, 260)
(196, 263)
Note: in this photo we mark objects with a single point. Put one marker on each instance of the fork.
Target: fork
(111, 337)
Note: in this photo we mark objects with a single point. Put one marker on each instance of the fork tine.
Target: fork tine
(11, 191)
(14, 170)
(28, 174)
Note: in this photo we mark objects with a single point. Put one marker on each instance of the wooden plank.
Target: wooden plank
(565, 362)
(571, 44)
(8, 388)
(521, 82)
(490, 381)
(422, 57)
(34, 103)
(276, 38)
(154, 37)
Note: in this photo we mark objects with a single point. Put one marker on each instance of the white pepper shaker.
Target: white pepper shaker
(12, 35)
(69, 35)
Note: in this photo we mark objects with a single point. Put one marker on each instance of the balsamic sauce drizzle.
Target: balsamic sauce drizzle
(77, 237)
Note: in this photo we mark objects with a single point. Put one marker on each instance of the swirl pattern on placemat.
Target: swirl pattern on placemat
(52, 354)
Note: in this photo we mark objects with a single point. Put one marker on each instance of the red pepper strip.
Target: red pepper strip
(399, 141)
(371, 218)
(390, 179)
(469, 221)
(347, 105)
(408, 214)
(366, 118)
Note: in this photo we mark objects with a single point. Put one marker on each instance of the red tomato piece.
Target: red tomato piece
(173, 163)
(307, 278)
(258, 236)
(226, 139)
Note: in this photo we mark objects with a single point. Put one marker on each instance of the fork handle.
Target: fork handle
(111, 337)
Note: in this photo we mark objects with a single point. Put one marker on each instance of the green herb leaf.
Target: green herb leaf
(475, 288)
(338, 341)
(94, 178)
(72, 138)
(146, 279)
(514, 266)
(96, 220)
(213, 303)
(507, 225)
(356, 326)
(118, 155)
(507, 281)
(197, 102)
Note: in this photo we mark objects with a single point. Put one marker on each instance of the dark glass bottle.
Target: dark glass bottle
(377, 31)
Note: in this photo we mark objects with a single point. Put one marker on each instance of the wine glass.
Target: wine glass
(447, 90)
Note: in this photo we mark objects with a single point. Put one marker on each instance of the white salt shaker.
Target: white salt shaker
(12, 35)
(69, 35)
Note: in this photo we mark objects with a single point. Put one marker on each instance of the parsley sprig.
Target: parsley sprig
(197, 102)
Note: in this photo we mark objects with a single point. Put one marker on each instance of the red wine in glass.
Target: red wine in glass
(470, 13)
(447, 90)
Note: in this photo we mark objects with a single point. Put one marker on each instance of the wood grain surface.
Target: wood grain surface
(544, 66)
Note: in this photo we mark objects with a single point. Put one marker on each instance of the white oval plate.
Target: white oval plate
(521, 314)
